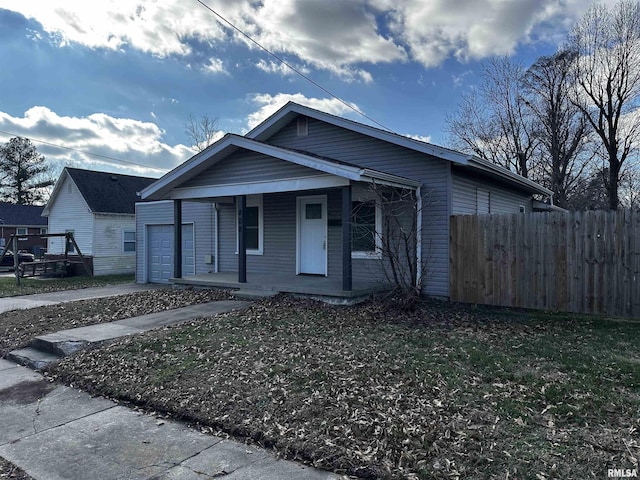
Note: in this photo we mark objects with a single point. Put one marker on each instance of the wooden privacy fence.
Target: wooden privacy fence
(575, 261)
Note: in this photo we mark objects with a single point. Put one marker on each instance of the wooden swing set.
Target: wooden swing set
(44, 267)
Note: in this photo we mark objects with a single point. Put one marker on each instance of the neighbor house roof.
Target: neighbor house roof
(104, 192)
(21, 215)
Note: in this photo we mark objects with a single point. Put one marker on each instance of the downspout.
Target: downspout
(214, 231)
(419, 238)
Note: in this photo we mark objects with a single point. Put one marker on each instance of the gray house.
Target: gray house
(277, 208)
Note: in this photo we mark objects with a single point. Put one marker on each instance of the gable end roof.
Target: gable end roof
(104, 192)
(291, 110)
(230, 143)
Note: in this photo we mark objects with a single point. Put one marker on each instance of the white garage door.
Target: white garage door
(160, 252)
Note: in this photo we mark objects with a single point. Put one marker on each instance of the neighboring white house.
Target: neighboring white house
(99, 208)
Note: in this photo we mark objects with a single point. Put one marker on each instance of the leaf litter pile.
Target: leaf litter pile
(444, 392)
(19, 327)
(10, 471)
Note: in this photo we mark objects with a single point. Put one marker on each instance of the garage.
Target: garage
(160, 258)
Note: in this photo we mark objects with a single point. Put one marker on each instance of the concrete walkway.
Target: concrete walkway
(55, 432)
(53, 298)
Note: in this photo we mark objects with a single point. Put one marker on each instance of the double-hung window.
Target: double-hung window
(365, 229)
(128, 241)
(254, 222)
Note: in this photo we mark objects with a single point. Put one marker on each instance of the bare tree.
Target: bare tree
(201, 131)
(493, 122)
(396, 240)
(607, 79)
(562, 127)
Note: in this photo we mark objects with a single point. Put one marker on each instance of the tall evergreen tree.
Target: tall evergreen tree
(23, 173)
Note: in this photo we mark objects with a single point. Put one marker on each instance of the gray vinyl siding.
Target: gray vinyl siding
(344, 145)
(244, 167)
(200, 214)
(279, 248)
(280, 229)
(465, 197)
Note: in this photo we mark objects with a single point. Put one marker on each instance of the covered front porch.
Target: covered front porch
(314, 285)
(284, 220)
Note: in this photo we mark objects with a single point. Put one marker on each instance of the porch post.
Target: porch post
(242, 239)
(346, 239)
(177, 239)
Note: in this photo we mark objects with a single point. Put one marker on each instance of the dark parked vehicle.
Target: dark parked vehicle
(7, 261)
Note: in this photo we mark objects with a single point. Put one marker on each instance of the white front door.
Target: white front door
(312, 235)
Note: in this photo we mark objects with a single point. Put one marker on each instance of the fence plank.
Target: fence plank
(574, 261)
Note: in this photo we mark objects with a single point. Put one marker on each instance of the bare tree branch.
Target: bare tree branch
(202, 131)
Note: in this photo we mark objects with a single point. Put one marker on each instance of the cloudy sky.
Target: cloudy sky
(119, 78)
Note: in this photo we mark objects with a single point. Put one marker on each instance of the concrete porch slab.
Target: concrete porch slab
(311, 285)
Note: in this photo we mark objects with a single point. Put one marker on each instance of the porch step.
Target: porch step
(32, 358)
(255, 294)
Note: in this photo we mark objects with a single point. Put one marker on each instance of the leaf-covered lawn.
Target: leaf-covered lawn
(19, 327)
(447, 392)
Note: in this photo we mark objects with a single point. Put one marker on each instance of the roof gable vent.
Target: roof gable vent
(303, 126)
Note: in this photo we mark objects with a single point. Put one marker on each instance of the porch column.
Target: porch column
(177, 239)
(242, 239)
(346, 238)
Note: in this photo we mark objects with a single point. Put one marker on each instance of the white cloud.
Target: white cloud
(344, 37)
(421, 138)
(474, 29)
(280, 68)
(133, 141)
(269, 104)
(215, 65)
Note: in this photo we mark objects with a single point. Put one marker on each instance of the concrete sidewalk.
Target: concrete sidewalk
(54, 432)
(63, 296)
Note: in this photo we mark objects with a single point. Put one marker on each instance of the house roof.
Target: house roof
(291, 110)
(254, 141)
(231, 142)
(21, 215)
(104, 192)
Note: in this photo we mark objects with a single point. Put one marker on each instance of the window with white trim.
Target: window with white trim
(366, 227)
(255, 225)
(44, 230)
(128, 241)
(21, 231)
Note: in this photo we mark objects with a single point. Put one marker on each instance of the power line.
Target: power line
(288, 65)
(106, 157)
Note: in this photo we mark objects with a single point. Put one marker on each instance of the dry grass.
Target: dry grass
(446, 392)
(30, 286)
(19, 327)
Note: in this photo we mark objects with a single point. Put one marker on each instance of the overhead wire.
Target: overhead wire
(291, 67)
(259, 45)
(99, 155)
